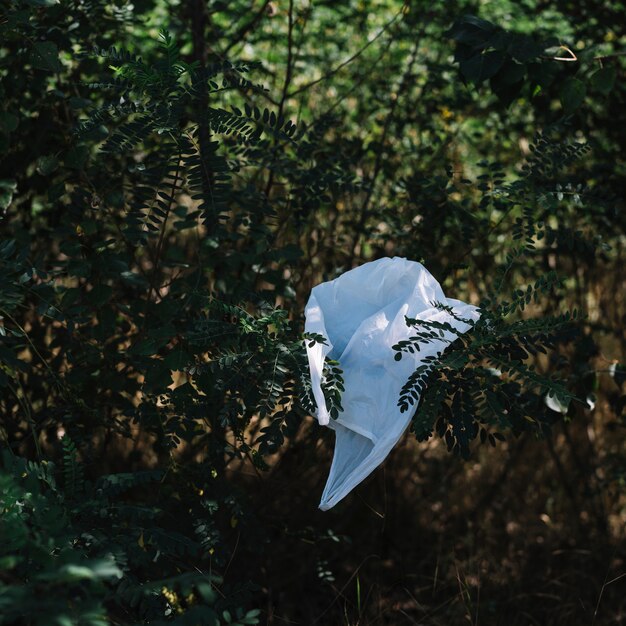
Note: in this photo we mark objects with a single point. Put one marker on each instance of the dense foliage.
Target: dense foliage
(176, 177)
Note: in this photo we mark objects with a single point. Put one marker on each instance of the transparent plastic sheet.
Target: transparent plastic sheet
(362, 315)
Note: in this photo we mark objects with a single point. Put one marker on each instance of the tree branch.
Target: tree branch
(351, 58)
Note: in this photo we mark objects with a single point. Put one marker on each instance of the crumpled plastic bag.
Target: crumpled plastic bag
(362, 315)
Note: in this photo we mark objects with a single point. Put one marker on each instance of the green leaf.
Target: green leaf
(480, 67)
(47, 164)
(45, 56)
(144, 347)
(158, 376)
(177, 359)
(134, 279)
(556, 402)
(79, 103)
(90, 570)
(9, 562)
(7, 189)
(42, 3)
(604, 79)
(508, 82)
(76, 157)
(471, 31)
(572, 94)
(511, 73)
(206, 591)
(478, 22)
(455, 360)
(8, 121)
(99, 295)
(523, 48)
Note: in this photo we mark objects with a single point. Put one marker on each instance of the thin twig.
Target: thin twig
(27, 408)
(246, 28)
(395, 98)
(573, 58)
(365, 75)
(37, 353)
(570, 59)
(609, 56)
(159, 248)
(285, 91)
(351, 58)
(605, 584)
(340, 592)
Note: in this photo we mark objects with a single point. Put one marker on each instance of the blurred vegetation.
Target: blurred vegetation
(176, 177)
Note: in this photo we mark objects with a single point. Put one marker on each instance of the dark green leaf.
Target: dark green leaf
(7, 189)
(45, 56)
(47, 164)
(604, 79)
(572, 94)
(482, 66)
(8, 121)
(178, 359)
(523, 48)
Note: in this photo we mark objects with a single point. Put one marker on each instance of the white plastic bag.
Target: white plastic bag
(362, 315)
